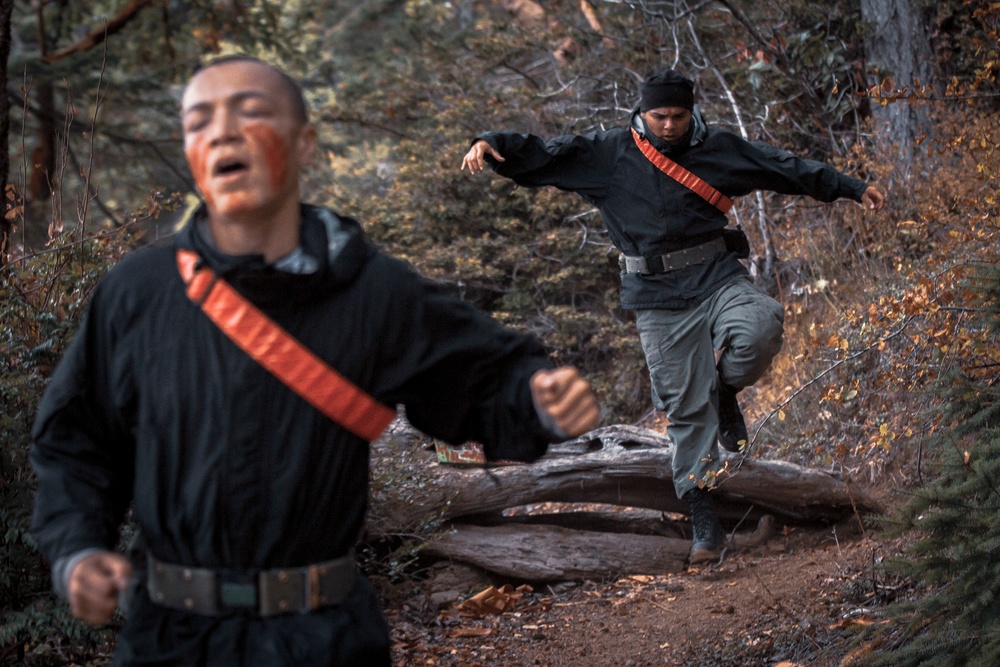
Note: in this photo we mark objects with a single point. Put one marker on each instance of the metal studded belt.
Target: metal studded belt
(211, 592)
(672, 261)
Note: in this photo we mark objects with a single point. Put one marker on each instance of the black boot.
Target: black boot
(709, 538)
(732, 427)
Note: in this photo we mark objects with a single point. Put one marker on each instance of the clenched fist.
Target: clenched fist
(95, 585)
(567, 399)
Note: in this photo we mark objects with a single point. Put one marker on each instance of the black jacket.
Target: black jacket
(154, 406)
(648, 213)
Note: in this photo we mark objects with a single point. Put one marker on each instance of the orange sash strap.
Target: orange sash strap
(281, 354)
(682, 175)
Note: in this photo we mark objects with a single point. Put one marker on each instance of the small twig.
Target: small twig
(827, 371)
(780, 607)
(98, 101)
(854, 505)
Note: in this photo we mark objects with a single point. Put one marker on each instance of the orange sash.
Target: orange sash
(682, 175)
(281, 354)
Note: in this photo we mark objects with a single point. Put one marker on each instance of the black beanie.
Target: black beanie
(667, 89)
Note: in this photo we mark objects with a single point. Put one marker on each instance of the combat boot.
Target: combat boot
(708, 537)
(732, 426)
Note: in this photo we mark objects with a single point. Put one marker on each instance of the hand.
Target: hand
(567, 398)
(95, 584)
(474, 158)
(873, 199)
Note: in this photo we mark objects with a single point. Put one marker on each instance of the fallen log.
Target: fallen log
(628, 466)
(550, 553)
(601, 518)
(540, 553)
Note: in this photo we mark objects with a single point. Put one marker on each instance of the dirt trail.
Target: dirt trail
(786, 603)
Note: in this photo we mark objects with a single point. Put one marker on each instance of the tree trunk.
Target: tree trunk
(6, 224)
(898, 50)
(43, 157)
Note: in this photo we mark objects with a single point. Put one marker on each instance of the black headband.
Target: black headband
(667, 89)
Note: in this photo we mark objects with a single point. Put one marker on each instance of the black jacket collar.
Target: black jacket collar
(337, 243)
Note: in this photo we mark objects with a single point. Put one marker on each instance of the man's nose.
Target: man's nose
(224, 127)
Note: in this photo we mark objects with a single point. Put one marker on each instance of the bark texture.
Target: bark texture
(604, 505)
(898, 51)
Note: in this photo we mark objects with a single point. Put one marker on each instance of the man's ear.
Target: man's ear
(307, 145)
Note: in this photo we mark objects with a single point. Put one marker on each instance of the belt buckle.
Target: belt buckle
(285, 591)
(237, 592)
(638, 265)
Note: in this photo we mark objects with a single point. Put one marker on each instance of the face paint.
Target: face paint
(265, 143)
(273, 146)
(243, 144)
(198, 161)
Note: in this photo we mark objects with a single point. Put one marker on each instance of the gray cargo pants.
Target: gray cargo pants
(680, 346)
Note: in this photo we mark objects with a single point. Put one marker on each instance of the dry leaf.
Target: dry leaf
(493, 600)
(849, 622)
(470, 632)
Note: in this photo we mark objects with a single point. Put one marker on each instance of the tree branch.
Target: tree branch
(119, 138)
(99, 35)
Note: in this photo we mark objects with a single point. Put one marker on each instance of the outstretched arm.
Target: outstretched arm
(475, 158)
(567, 399)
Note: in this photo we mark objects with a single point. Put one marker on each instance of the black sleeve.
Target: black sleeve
(576, 163)
(82, 451)
(460, 375)
(780, 171)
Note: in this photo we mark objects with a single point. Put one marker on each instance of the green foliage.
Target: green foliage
(397, 480)
(878, 310)
(110, 103)
(954, 521)
(31, 631)
(45, 297)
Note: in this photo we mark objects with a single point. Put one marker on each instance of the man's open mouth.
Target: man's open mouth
(226, 167)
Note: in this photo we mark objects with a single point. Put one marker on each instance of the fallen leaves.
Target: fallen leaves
(493, 600)
(666, 619)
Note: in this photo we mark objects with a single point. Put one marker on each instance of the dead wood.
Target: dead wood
(629, 466)
(550, 553)
(100, 34)
(541, 552)
(600, 518)
(602, 506)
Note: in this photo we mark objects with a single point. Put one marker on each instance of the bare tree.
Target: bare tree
(6, 227)
(898, 51)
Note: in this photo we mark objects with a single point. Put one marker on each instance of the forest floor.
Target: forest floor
(792, 602)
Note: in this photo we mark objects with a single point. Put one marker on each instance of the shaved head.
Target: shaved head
(290, 85)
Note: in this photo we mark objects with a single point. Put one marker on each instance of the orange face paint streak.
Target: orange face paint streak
(199, 168)
(274, 148)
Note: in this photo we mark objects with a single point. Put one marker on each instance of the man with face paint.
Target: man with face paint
(706, 330)
(248, 498)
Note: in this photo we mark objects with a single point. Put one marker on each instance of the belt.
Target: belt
(210, 592)
(672, 261)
